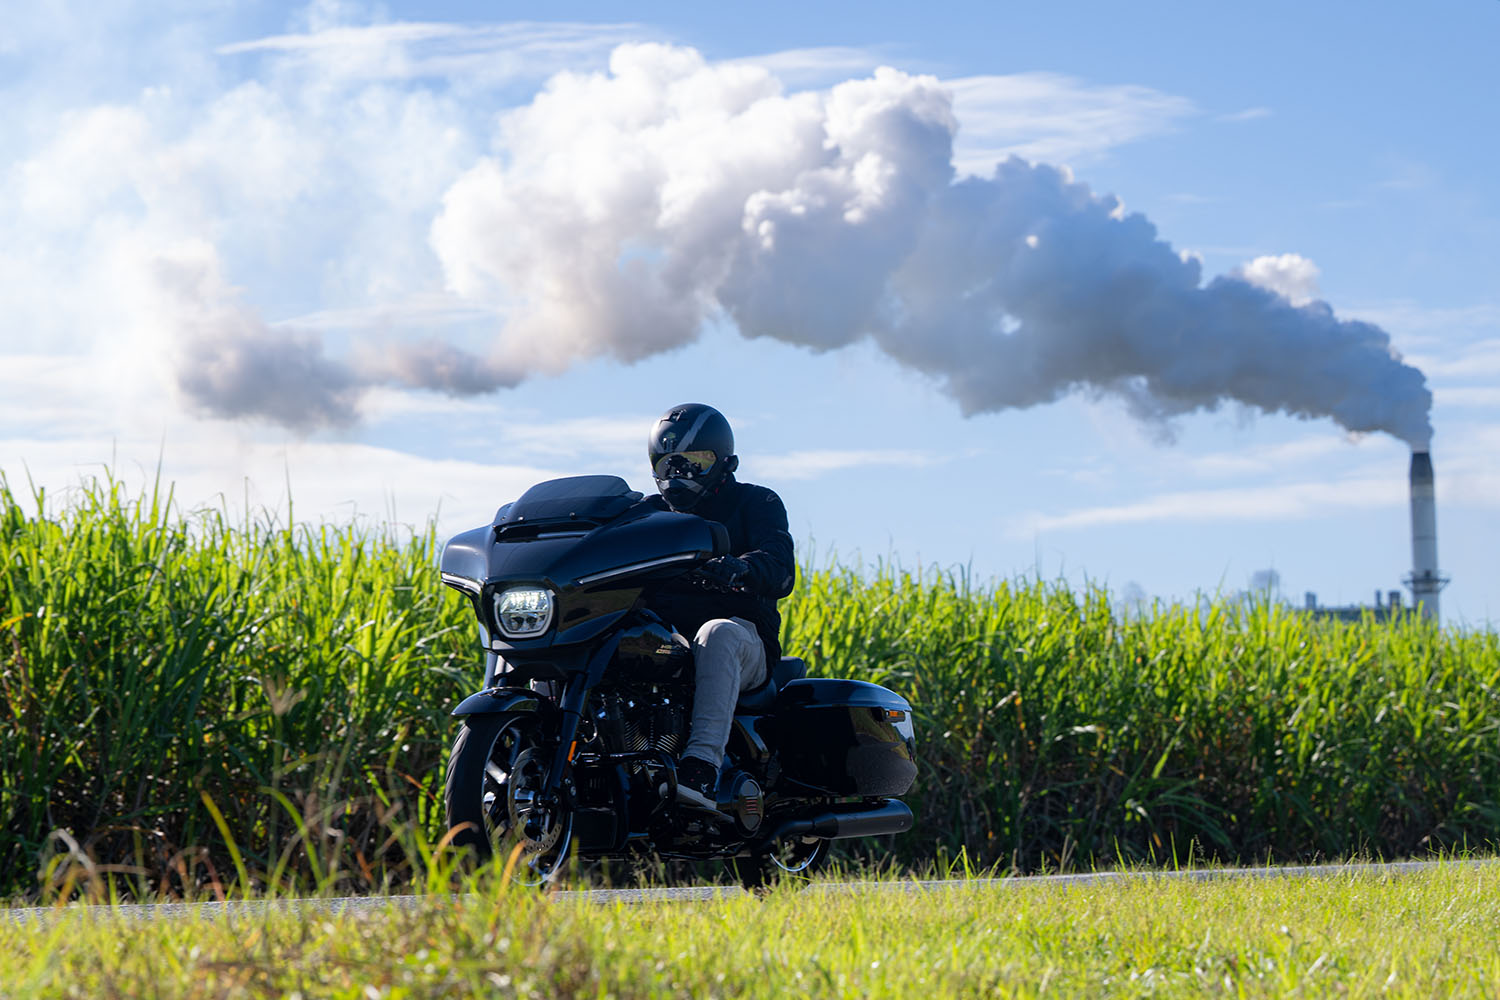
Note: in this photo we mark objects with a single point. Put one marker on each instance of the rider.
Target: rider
(731, 611)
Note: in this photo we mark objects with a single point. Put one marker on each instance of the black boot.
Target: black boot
(696, 783)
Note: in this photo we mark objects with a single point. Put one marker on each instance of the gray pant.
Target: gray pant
(728, 657)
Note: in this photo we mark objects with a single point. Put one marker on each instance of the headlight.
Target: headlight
(523, 612)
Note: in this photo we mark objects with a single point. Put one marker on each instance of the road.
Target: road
(376, 904)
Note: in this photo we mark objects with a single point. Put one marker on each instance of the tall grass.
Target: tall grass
(173, 684)
(1053, 730)
(156, 668)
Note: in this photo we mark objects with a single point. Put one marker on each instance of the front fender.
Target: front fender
(494, 700)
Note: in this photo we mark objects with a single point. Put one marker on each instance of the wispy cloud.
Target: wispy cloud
(1473, 397)
(1053, 117)
(1479, 359)
(814, 463)
(326, 480)
(1433, 328)
(489, 53)
(1241, 503)
(370, 36)
(422, 311)
(1247, 115)
(1266, 459)
(1238, 252)
(813, 66)
(1468, 475)
(44, 396)
(1409, 176)
(621, 438)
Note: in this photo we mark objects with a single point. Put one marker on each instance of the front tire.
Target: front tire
(492, 773)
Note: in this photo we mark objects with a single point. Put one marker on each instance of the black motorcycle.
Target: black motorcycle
(570, 747)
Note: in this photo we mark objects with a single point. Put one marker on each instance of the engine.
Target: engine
(649, 720)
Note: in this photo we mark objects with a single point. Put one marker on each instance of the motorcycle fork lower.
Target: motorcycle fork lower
(575, 693)
(570, 714)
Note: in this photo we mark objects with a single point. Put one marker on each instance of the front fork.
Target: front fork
(549, 800)
(570, 710)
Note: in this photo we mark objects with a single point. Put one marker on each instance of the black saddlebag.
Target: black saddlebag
(846, 737)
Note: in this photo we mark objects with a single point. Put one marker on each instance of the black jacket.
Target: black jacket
(756, 521)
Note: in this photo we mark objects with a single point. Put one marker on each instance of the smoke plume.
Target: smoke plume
(621, 210)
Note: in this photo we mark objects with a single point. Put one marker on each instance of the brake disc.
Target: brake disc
(524, 787)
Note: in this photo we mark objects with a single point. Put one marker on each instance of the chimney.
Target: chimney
(1425, 581)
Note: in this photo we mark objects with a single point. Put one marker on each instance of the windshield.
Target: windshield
(595, 499)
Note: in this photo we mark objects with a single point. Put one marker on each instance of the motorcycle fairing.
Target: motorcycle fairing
(565, 543)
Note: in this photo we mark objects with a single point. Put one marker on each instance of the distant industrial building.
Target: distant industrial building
(1424, 580)
(1382, 610)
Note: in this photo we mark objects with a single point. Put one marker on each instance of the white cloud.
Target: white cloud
(312, 194)
(1290, 275)
(1053, 117)
(308, 189)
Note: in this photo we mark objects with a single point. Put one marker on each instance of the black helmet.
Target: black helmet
(692, 450)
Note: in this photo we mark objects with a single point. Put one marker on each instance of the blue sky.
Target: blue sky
(283, 170)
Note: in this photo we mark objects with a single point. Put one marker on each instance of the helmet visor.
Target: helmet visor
(684, 465)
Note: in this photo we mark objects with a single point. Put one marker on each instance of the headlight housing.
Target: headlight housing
(523, 612)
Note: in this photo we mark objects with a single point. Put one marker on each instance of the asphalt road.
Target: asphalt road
(376, 904)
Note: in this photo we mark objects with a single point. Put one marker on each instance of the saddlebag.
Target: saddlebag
(846, 737)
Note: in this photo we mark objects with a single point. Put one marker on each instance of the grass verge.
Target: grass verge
(1426, 934)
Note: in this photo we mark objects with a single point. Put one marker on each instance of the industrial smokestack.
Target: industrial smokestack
(1425, 581)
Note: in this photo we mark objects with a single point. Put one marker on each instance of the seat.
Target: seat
(761, 700)
(791, 668)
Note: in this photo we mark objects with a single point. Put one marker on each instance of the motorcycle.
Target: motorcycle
(569, 749)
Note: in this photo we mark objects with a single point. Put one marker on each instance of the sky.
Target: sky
(403, 260)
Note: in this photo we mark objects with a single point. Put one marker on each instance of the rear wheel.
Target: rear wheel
(798, 859)
(496, 770)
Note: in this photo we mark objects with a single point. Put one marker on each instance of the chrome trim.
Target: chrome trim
(610, 574)
(463, 583)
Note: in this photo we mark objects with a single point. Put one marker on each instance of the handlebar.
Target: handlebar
(698, 578)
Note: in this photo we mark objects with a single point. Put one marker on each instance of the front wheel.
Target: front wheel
(496, 771)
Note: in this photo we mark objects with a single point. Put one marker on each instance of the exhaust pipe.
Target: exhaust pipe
(891, 816)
